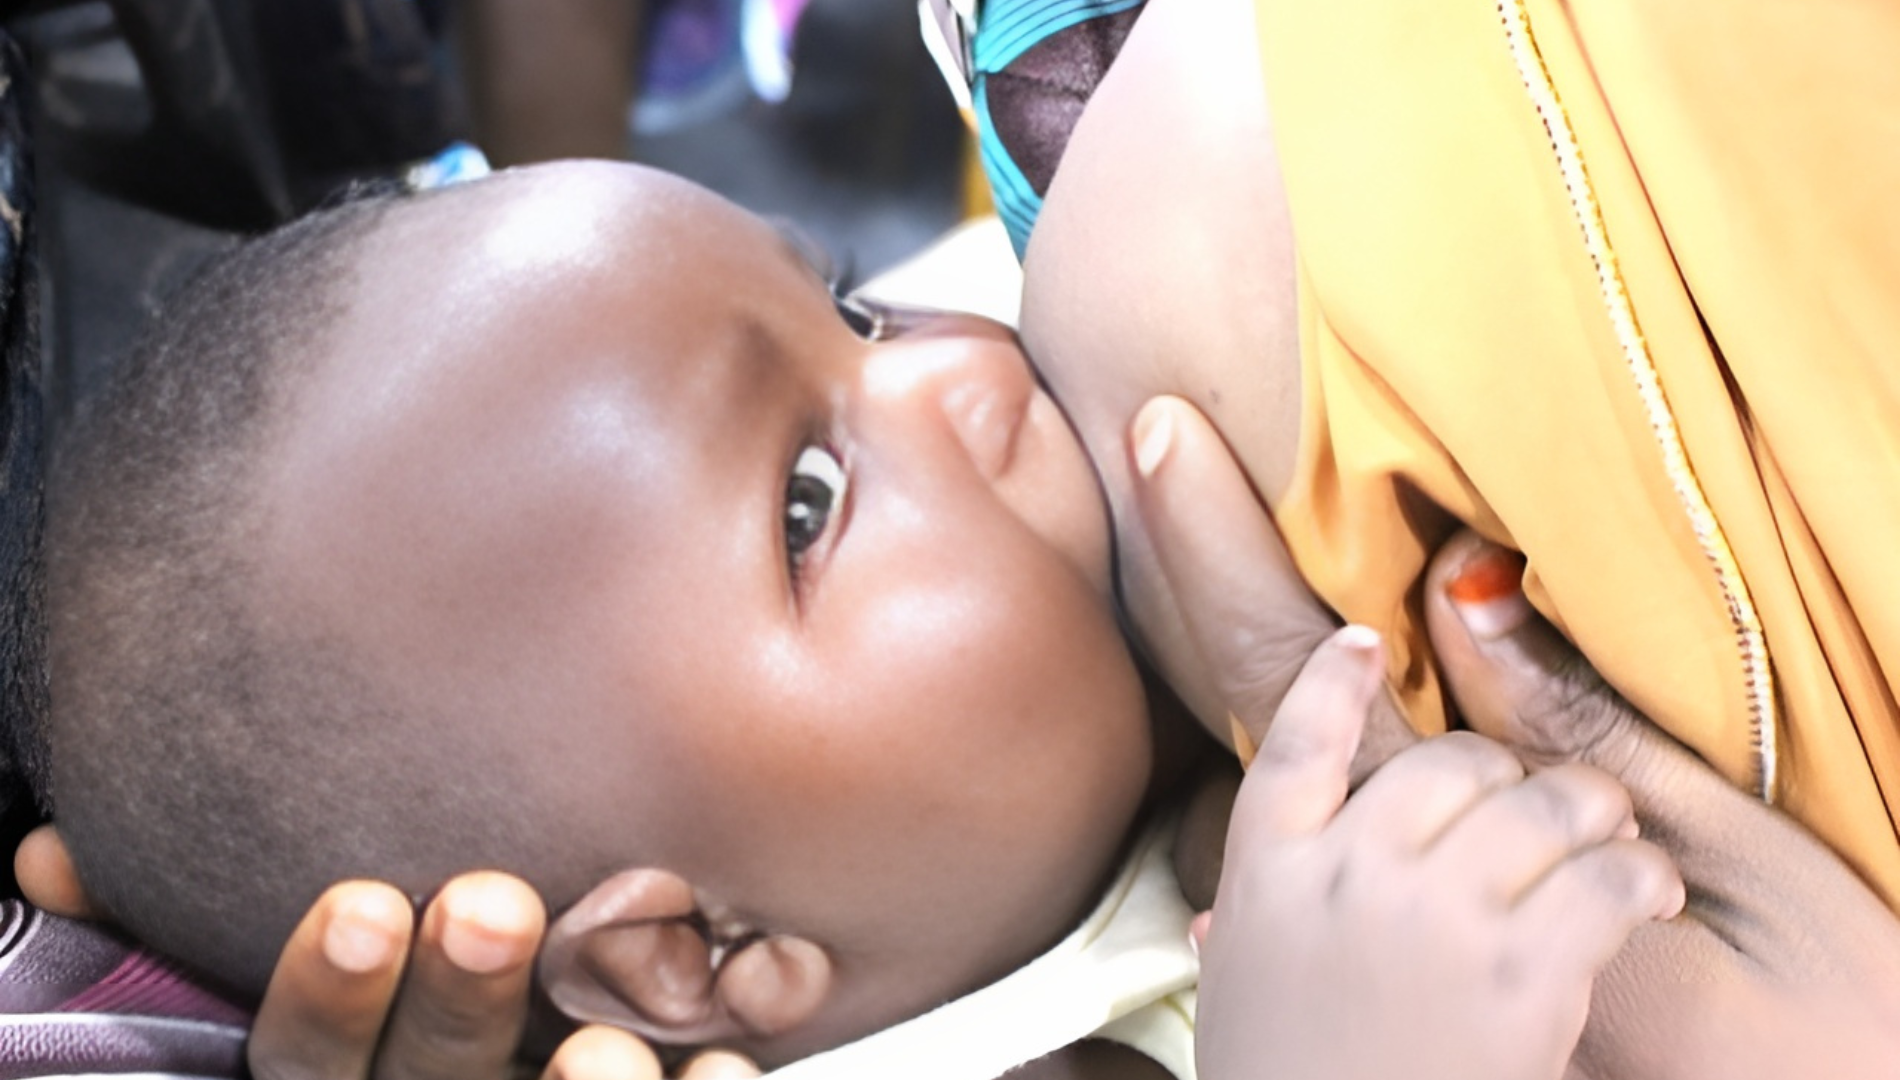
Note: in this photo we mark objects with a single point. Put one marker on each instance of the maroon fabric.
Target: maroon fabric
(151, 985)
(77, 999)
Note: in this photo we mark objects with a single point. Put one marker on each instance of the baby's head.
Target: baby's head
(560, 524)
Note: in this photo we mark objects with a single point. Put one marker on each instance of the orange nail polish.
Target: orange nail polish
(1488, 593)
(1491, 574)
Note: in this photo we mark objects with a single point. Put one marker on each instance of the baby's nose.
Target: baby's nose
(976, 387)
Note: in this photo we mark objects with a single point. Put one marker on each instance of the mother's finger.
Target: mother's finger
(43, 869)
(466, 998)
(1516, 679)
(598, 1052)
(1251, 619)
(718, 1065)
(323, 1013)
(1757, 880)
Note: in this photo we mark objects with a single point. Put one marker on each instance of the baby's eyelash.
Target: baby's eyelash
(835, 270)
(866, 318)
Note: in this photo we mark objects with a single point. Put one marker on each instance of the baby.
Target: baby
(561, 541)
(774, 643)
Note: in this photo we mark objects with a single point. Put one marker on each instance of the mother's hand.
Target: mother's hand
(1784, 964)
(1249, 620)
(365, 989)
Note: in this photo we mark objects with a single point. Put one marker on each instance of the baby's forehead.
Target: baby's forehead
(539, 243)
(529, 342)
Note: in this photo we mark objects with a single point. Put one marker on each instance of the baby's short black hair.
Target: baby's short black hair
(185, 738)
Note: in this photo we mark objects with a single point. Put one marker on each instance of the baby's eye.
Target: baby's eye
(864, 317)
(814, 491)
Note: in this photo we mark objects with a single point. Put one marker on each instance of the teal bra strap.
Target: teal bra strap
(1010, 28)
(1006, 30)
(1016, 202)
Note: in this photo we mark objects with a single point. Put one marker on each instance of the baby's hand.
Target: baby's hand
(1447, 921)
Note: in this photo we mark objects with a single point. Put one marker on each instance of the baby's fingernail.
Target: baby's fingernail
(1488, 593)
(366, 932)
(486, 928)
(1357, 638)
(1154, 434)
(1197, 930)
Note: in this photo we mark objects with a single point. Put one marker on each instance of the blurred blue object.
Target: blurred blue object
(460, 163)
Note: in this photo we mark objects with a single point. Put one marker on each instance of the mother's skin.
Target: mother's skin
(1783, 964)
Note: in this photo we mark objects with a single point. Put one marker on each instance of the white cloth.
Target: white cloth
(970, 268)
(1126, 974)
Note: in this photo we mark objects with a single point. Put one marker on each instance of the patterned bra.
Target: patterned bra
(1024, 70)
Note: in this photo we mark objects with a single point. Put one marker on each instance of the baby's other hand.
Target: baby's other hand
(1448, 920)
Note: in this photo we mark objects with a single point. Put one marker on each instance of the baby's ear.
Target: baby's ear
(634, 953)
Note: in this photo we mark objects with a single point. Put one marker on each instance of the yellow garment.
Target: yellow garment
(1483, 314)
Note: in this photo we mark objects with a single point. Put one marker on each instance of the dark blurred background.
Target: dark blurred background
(165, 129)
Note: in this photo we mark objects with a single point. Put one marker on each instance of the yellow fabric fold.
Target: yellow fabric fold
(1462, 362)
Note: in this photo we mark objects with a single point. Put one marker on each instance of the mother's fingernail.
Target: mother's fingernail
(1154, 434)
(1487, 592)
(365, 933)
(487, 928)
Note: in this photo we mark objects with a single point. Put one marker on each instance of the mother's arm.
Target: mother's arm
(1784, 963)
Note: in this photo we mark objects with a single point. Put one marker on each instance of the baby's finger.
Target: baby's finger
(1407, 805)
(1252, 620)
(1580, 914)
(598, 1052)
(324, 1010)
(1299, 776)
(462, 1008)
(1512, 839)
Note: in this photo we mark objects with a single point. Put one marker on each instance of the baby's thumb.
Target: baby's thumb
(1299, 778)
